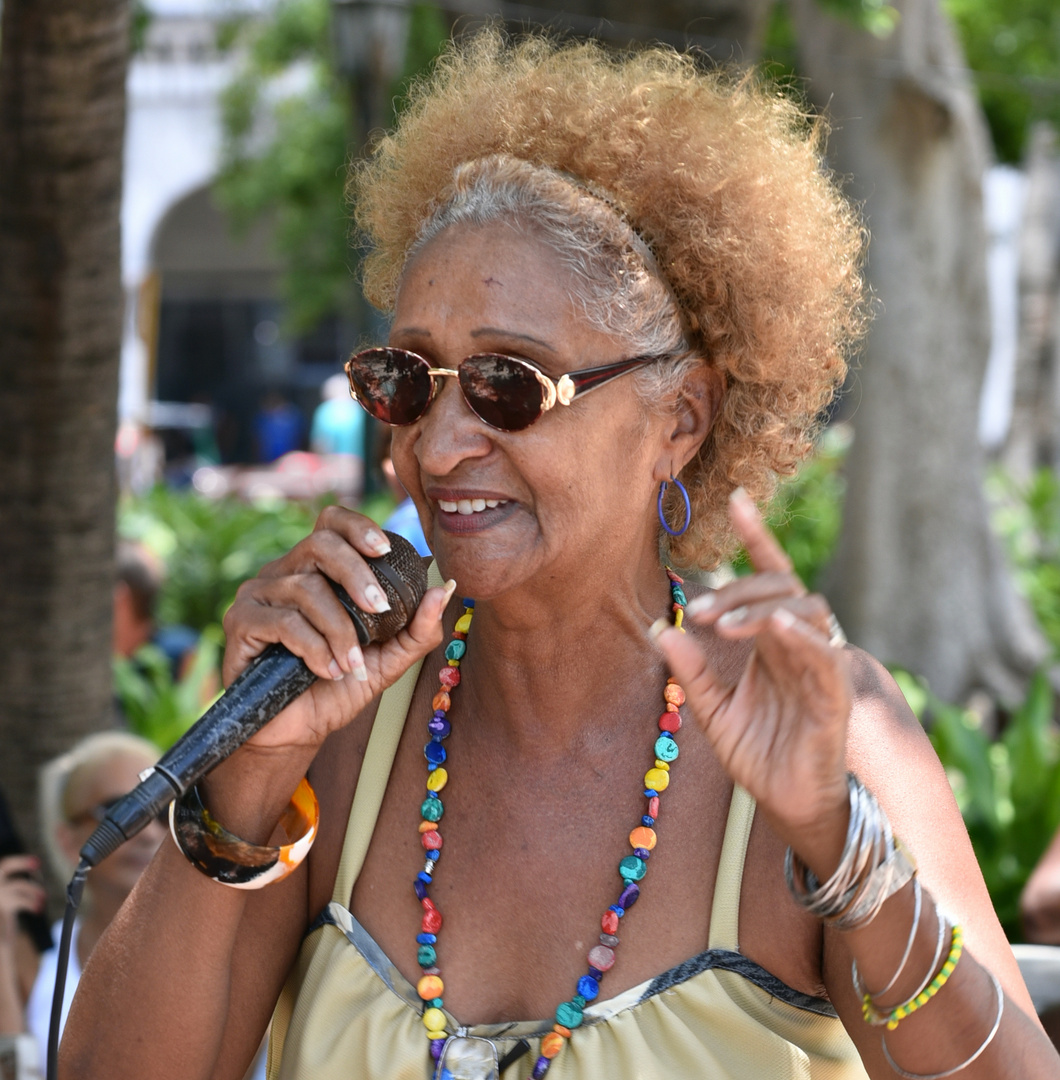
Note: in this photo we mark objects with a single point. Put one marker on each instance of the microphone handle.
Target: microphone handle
(271, 681)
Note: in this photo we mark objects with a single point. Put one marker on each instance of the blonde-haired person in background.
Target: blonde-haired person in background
(607, 273)
(76, 788)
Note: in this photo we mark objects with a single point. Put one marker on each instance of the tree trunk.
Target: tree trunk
(62, 115)
(918, 579)
(1034, 436)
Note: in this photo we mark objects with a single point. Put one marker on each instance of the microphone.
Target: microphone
(271, 681)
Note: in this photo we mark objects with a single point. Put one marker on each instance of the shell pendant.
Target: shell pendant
(465, 1057)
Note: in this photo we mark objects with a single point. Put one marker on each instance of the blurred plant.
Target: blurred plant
(807, 511)
(1027, 517)
(876, 16)
(288, 122)
(1013, 49)
(1007, 789)
(154, 703)
(139, 22)
(209, 546)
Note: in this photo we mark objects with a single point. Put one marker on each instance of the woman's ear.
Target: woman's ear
(695, 410)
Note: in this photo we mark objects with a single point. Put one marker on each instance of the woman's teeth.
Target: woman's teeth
(469, 506)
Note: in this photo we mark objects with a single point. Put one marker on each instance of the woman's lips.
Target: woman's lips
(469, 506)
(472, 515)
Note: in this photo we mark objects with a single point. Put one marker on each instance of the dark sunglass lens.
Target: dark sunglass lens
(392, 385)
(502, 391)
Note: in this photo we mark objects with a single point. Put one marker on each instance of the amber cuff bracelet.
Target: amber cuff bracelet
(221, 855)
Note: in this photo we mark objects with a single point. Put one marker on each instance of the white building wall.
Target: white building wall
(172, 147)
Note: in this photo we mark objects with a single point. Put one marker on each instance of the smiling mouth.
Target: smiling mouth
(470, 506)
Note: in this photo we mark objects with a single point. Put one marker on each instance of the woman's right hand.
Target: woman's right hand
(291, 602)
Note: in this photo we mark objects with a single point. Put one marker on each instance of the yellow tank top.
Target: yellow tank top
(347, 1013)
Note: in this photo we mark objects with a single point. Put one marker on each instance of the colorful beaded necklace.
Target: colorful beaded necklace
(631, 869)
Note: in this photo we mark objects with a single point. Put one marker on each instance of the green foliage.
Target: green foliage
(139, 21)
(1008, 789)
(876, 16)
(156, 705)
(1027, 517)
(807, 512)
(288, 123)
(1013, 47)
(296, 174)
(209, 546)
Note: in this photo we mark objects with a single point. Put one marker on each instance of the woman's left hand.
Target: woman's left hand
(778, 722)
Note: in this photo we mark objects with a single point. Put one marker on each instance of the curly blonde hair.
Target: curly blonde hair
(720, 176)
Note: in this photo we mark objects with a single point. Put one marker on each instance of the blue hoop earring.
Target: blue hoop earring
(688, 507)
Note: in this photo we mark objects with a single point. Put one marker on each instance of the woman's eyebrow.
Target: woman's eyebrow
(494, 331)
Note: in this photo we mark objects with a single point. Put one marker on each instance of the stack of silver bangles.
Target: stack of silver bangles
(873, 867)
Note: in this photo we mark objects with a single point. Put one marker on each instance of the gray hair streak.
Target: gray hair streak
(616, 282)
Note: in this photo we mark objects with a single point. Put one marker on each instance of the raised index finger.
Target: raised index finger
(762, 547)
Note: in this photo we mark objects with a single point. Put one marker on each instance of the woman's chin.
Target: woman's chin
(485, 564)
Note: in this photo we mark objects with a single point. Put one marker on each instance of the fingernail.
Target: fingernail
(377, 541)
(355, 658)
(731, 618)
(700, 604)
(658, 627)
(360, 673)
(783, 617)
(450, 589)
(376, 600)
(334, 670)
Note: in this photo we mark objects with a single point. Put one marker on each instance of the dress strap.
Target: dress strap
(375, 771)
(725, 911)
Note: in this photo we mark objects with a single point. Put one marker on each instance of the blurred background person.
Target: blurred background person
(139, 577)
(337, 435)
(338, 421)
(76, 790)
(404, 519)
(279, 427)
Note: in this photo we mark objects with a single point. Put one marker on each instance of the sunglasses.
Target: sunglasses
(509, 394)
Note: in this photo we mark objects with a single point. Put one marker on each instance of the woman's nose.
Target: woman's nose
(450, 432)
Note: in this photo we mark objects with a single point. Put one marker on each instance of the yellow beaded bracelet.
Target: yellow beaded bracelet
(907, 1008)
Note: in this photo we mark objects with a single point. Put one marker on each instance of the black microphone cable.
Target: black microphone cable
(62, 962)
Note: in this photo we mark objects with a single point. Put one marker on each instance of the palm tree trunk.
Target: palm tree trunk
(62, 117)
(918, 579)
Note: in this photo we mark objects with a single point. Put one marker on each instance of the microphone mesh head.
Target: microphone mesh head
(404, 563)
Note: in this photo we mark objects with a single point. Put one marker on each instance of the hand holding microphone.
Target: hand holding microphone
(263, 689)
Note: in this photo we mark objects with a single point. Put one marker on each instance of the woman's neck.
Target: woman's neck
(536, 662)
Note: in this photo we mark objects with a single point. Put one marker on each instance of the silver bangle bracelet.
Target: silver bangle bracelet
(872, 868)
(967, 1061)
(859, 986)
(879, 1019)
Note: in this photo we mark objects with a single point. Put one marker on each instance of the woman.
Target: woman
(548, 222)
(75, 790)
